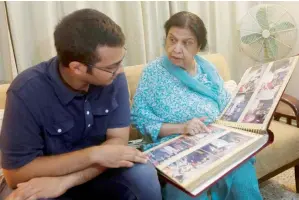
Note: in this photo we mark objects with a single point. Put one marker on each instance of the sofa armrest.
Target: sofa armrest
(292, 103)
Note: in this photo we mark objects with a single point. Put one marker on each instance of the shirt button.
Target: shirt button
(106, 111)
(87, 112)
(88, 125)
(59, 130)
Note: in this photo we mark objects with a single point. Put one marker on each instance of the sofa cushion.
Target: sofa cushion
(133, 74)
(1, 117)
(220, 63)
(284, 149)
(3, 89)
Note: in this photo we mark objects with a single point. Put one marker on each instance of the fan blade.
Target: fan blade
(247, 39)
(271, 48)
(282, 26)
(261, 17)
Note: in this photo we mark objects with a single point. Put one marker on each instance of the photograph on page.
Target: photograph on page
(272, 82)
(248, 85)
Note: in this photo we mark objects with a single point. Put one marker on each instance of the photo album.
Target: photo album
(194, 163)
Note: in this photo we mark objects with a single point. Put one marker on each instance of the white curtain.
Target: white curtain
(32, 25)
(7, 65)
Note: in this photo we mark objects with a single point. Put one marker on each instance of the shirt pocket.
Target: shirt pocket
(100, 109)
(60, 136)
(59, 128)
(102, 114)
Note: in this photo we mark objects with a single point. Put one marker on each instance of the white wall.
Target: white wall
(293, 8)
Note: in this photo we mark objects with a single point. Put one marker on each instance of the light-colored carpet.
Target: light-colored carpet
(280, 187)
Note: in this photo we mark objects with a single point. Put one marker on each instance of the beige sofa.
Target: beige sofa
(281, 155)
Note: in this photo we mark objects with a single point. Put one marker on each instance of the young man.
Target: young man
(66, 123)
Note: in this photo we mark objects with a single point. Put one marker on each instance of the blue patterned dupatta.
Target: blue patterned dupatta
(193, 84)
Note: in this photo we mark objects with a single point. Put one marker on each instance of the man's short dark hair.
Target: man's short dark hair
(79, 34)
(191, 21)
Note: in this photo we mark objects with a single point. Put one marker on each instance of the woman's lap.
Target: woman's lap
(240, 184)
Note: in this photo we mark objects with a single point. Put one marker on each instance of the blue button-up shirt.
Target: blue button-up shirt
(44, 117)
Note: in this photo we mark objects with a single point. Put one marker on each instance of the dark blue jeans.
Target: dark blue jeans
(137, 183)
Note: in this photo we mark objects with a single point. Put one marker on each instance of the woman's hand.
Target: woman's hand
(195, 126)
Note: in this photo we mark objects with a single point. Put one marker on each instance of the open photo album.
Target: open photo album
(194, 163)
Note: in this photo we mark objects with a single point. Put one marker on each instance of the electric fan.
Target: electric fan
(267, 32)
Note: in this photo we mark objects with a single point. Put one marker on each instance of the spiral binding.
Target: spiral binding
(239, 126)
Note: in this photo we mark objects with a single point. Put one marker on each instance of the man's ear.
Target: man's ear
(77, 68)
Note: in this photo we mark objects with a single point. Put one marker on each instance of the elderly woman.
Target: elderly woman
(181, 93)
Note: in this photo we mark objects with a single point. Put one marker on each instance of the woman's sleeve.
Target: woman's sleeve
(143, 115)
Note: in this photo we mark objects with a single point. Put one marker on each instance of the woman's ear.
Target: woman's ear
(199, 48)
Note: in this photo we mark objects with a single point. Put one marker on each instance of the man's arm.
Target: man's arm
(48, 166)
(84, 164)
(47, 186)
(115, 136)
(51, 187)
(75, 165)
(118, 136)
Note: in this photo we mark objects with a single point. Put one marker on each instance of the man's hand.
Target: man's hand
(37, 188)
(115, 156)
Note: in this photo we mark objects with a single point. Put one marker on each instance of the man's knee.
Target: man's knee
(145, 169)
(142, 173)
(143, 179)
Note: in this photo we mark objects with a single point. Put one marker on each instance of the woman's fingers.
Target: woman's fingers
(196, 126)
(204, 128)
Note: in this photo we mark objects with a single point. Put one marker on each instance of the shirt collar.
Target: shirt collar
(64, 94)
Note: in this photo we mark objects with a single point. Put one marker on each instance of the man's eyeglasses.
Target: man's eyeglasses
(115, 66)
(107, 70)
